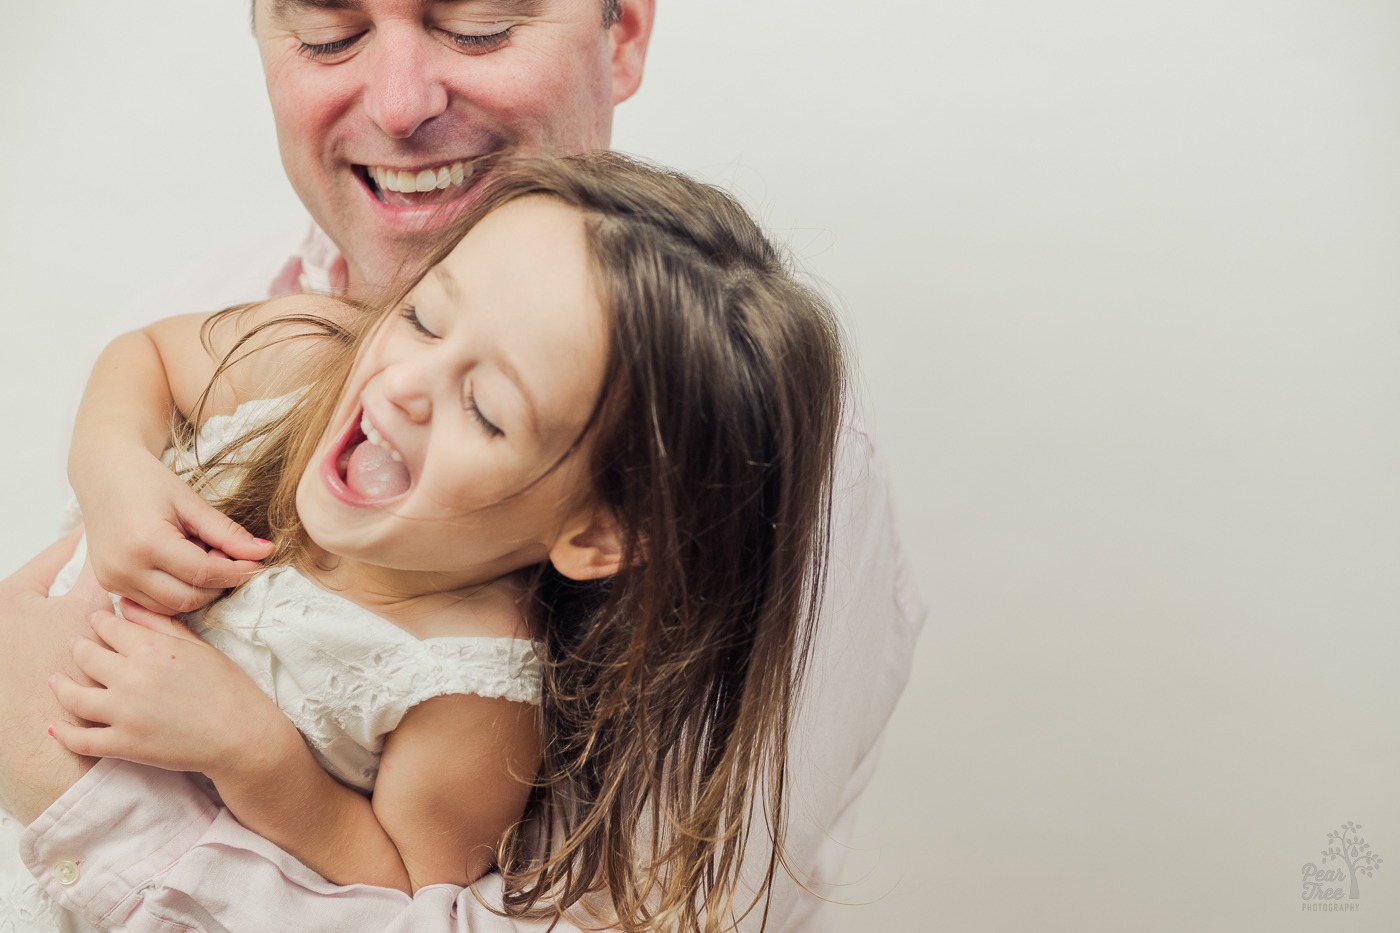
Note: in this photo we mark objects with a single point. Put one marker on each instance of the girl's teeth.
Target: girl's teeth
(377, 439)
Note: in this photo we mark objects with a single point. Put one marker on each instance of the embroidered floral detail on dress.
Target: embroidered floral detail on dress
(345, 676)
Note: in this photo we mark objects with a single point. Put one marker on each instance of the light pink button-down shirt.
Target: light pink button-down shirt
(138, 849)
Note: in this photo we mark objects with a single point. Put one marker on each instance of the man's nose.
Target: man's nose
(402, 92)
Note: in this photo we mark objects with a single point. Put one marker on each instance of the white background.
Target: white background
(1123, 279)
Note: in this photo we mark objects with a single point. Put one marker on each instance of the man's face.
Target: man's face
(381, 105)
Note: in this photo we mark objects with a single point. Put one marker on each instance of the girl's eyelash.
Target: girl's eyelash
(490, 428)
(410, 314)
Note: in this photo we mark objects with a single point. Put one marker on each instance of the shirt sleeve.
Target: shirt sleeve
(863, 648)
(146, 851)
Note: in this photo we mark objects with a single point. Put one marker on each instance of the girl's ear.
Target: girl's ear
(589, 547)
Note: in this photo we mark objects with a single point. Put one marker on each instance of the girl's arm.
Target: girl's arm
(454, 776)
(148, 533)
(142, 521)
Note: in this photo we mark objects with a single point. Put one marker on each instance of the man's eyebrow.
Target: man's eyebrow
(282, 9)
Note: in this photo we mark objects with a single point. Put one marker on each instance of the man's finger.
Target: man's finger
(37, 576)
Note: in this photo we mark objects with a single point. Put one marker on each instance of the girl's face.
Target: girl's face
(444, 454)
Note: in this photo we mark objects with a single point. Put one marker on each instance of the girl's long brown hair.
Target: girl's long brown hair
(670, 688)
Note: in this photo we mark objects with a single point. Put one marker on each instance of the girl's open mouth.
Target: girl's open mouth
(364, 468)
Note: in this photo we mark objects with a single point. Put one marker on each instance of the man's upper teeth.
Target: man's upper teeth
(377, 439)
(429, 179)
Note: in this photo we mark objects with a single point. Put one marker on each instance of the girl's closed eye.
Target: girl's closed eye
(410, 314)
(469, 400)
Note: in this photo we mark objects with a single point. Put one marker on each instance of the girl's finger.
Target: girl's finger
(219, 531)
(170, 595)
(206, 571)
(90, 741)
(155, 621)
(121, 636)
(144, 598)
(83, 702)
(98, 662)
(157, 590)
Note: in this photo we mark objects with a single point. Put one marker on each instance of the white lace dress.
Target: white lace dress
(343, 675)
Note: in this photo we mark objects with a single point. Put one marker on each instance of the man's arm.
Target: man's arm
(37, 632)
(144, 849)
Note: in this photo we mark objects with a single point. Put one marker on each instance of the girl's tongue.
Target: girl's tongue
(373, 474)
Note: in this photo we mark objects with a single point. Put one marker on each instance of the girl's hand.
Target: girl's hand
(152, 539)
(165, 698)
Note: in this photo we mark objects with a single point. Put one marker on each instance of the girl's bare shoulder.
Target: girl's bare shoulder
(496, 610)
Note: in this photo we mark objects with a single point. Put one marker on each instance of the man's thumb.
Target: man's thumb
(38, 575)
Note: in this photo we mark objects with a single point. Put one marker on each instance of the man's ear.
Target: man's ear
(629, 37)
(589, 547)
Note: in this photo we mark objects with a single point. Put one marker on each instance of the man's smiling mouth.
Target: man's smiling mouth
(417, 188)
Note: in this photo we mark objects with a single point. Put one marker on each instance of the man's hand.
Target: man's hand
(37, 634)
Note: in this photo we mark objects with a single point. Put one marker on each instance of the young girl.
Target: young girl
(583, 461)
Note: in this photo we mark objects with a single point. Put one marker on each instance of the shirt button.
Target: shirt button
(65, 872)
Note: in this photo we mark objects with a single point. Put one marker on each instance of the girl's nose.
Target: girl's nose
(408, 389)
